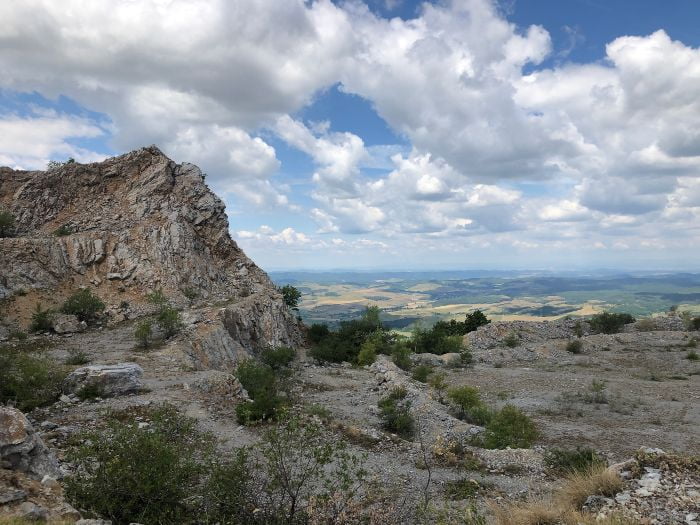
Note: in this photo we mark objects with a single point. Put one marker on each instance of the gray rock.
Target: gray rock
(93, 522)
(67, 324)
(33, 512)
(8, 495)
(108, 380)
(22, 448)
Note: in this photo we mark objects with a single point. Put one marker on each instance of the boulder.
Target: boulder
(22, 449)
(108, 380)
(67, 324)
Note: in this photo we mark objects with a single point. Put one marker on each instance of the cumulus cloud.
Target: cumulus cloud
(612, 147)
(30, 142)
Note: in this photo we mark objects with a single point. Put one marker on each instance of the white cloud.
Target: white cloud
(30, 142)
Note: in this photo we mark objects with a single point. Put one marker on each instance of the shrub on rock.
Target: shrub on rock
(83, 304)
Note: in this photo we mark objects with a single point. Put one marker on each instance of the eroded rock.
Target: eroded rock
(106, 380)
(22, 449)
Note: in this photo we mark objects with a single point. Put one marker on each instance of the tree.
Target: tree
(291, 296)
(7, 223)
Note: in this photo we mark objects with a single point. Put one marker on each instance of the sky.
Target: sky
(385, 134)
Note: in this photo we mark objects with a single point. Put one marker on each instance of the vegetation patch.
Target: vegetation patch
(395, 412)
(609, 323)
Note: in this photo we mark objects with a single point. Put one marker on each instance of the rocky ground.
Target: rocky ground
(647, 395)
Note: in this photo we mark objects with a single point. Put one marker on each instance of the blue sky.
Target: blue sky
(386, 134)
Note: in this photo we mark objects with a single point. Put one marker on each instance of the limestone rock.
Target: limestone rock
(137, 222)
(109, 380)
(22, 448)
(67, 324)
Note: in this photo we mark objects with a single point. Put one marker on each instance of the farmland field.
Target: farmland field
(425, 297)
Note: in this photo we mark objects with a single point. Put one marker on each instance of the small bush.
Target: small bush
(7, 223)
(512, 340)
(610, 323)
(90, 391)
(169, 320)
(85, 305)
(63, 230)
(278, 357)
(465, 488)
(127, 474)
(317, 332)
(260, 382)
(333, 349)
(144, 334)
(77, 357)
(437, 381)
(291, 296)
(395, 412)
(41, 319)
(692, 356)
(401, 356)
(368, 354)
(468, 402)
(28, 381)
(575, 346)
(510, 427)
(646, 325)
(576, 460)
(421, 373)
(695, 323)
(578, 329)
(157, 297)
(596, 393)
(18, 335)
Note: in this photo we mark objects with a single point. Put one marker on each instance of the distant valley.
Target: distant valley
(407, 298)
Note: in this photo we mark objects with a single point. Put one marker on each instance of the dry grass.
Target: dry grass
(565, 505)
(597, 481)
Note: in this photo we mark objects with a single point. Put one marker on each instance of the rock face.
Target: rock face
(22, 449)
(125, 227)
(108, 380)
(67, 324)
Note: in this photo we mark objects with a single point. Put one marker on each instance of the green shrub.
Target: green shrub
(609, 323)
(695, 323)
(421, 373)
(437, 381)
(510, 427)
(578, 329)
(317, 332)
(575, 346)
(7, 223)
(395, 412)
(28, 380)
(85, 305)
(291, 296)
(692, 356)
(333, 349)
(41, 319)
(18, 335)
(596, 393)
(157, 297)
(569, 461)
(169, 320)
(90, 391)
(63, 230)
(401, 356)
(127, 474)
(190, 293)
(278, 357)
(368, 354)
(144, 333)
(512, 340)
(469, 405)
(465, 488)
(260, 382)
(77, 357)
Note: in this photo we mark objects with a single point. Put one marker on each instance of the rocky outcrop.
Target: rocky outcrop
(106, 380)
(658, 488)
(125, 227)
(22, 449)
(67, 324)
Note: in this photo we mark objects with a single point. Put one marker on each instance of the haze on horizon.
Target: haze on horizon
(386, 134)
